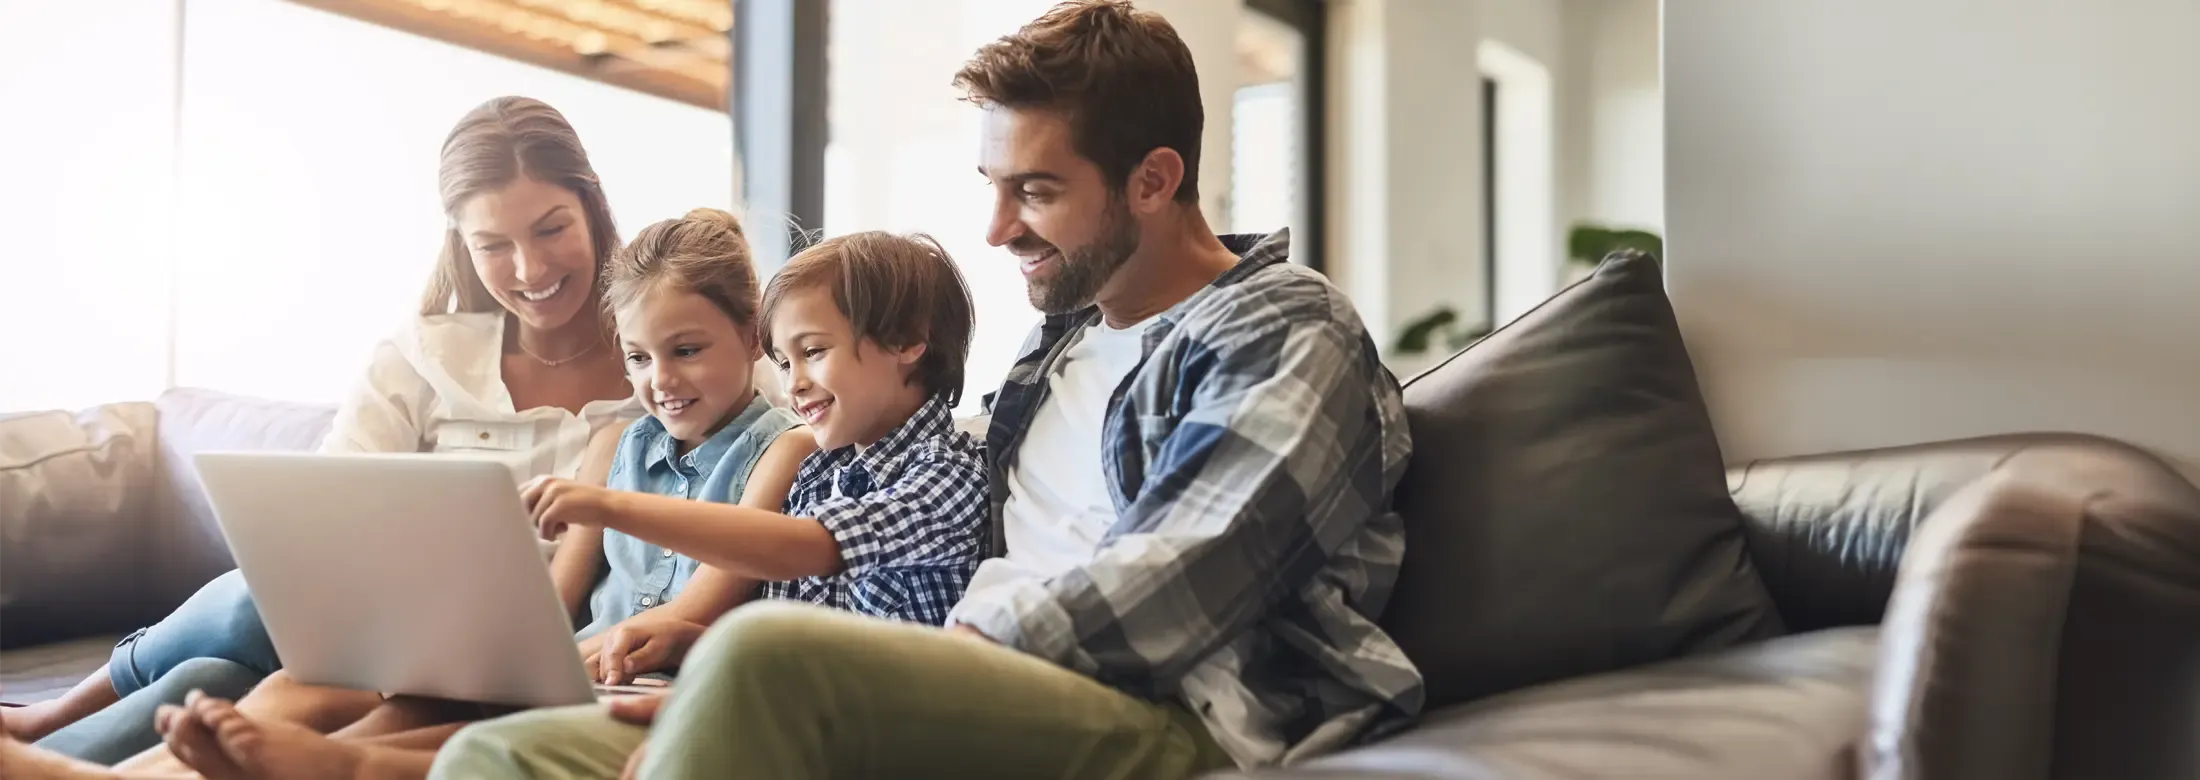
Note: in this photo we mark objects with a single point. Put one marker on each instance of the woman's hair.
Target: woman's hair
(494, 145)
(897, 291)
(704, 253)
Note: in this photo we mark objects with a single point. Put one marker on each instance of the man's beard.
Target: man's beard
(1081, 272)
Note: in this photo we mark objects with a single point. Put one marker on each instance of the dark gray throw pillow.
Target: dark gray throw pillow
(1566, 506)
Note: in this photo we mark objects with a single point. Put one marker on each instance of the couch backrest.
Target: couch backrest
(188, 542)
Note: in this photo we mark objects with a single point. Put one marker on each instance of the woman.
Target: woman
(507, 358)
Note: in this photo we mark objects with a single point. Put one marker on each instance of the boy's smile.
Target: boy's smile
(849, 390)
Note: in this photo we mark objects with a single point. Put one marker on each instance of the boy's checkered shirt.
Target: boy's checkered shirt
(908, 513)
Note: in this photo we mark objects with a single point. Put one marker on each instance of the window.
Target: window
(1275, 163)
(246, 198)
(904, 150)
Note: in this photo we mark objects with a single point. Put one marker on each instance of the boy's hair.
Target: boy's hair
(1120, 76)
(704, 253)
(897, 291)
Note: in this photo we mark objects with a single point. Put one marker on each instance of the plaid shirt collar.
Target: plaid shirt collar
(851, 468)
(1014, 405)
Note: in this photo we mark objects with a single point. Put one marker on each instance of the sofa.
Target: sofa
(2019, 606)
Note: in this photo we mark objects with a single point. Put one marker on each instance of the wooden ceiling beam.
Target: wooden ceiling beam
(508, 28)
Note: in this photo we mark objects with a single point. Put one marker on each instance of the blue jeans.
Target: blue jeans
(219, 622)
(126, 728)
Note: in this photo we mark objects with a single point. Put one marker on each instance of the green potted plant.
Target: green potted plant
(1437, 330)
(1588, 243)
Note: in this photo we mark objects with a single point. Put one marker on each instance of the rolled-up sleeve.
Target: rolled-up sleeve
(933, 514)
(385, 408)
(1277, 464)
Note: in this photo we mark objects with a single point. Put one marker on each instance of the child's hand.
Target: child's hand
(642, 644)
(556, 503)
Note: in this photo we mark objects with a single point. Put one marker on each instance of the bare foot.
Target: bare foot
(23, 762)
(274, 748)
(191, 739)
(32, 722)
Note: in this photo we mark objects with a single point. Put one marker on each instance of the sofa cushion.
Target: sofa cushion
(194, 421)
(1794, 708)
(1566, 506)
(75, 494)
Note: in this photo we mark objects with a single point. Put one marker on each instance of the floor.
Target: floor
(39, 673)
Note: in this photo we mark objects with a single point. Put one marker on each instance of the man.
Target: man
(1191, 470)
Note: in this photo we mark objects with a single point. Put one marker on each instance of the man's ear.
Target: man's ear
(1154, 182)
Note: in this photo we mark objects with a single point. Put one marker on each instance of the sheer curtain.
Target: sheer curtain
(260, 234)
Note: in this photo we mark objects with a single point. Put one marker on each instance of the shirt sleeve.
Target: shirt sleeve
(1276, 465)
(385, 409)
(931, 514)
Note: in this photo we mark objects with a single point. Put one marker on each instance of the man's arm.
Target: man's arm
(1278, 464)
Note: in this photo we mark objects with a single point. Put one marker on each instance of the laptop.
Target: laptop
(404, 574)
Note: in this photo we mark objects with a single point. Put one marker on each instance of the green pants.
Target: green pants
(787, 691)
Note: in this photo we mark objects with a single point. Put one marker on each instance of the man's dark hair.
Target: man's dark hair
(1120, 76)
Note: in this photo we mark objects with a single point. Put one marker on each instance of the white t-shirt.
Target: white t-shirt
(438, 386)
(1058, 504)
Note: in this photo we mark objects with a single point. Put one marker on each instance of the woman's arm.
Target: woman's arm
(386, 408)
(715, 590)
(579, 559)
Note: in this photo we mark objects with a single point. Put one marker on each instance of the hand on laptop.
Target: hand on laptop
(556, 503)
(640, 645)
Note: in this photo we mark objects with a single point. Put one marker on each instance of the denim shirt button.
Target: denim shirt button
(646, 601)
(668, 554)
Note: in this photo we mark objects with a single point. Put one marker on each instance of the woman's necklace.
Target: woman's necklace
(547, 363)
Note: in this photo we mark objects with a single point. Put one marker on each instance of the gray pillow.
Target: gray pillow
(1566, 506)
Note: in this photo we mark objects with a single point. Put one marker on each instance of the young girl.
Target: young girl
(684, 297)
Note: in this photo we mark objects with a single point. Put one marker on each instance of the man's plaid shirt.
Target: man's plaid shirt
(1252, 456)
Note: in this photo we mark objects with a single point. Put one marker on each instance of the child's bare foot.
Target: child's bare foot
(274, 749)
(19, 761)
(191, 739)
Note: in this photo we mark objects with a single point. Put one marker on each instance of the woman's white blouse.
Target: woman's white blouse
(438, 386)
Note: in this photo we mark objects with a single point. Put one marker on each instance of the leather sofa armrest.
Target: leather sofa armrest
(1968, 648)
(2046, 623)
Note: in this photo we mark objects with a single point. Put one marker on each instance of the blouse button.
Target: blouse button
(484, 435)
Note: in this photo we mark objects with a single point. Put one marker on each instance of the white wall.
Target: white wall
(1906, 220)
(1611, 161)
(1405, 210)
